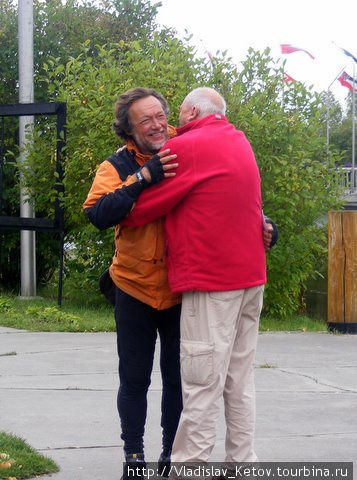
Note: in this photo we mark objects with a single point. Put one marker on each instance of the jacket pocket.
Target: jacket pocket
(134, 244)
(226, 295)
(197, 362)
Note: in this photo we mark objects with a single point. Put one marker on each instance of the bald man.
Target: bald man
(216, 259)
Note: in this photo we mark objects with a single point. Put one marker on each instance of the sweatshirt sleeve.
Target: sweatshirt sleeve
(110, 199)
(158, 200)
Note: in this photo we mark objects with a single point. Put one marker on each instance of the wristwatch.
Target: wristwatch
(140, 177)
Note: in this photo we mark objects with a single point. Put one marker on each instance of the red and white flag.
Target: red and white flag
(287, 48)
(347, 81)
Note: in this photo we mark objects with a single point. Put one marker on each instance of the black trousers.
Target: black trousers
(137, 326)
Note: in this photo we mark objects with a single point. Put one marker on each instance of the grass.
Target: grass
(265, 365)
(295, 323)
(44, 315)
(19, 460)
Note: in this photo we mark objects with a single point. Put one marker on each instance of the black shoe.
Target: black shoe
(134, 467)
(164, 463)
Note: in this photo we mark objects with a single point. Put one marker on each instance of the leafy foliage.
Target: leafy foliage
(78, 316)
(284, 124)
(60, 28)
(299, 184)
(45, 316)
(53, 314)
(340, 125)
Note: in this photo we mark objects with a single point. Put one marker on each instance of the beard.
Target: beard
(146, 146)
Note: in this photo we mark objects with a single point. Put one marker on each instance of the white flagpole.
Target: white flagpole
(283, 89)
(353, 183)
(328, 112)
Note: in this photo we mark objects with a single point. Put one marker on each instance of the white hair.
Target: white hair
(207, 100)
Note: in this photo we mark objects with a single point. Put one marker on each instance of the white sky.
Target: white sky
(236, 25)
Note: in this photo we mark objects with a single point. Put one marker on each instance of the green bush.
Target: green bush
(283, 124)
(60, 28)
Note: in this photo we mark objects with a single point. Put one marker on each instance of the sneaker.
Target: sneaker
(164, 463)
(134, 467)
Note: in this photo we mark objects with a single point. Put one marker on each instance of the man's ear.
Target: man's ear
(194, 113)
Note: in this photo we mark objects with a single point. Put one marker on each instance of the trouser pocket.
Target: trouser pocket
(197, 362)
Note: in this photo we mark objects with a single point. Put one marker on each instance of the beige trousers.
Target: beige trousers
(218, 342)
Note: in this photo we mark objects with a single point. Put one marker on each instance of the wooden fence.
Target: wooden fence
(342, 271)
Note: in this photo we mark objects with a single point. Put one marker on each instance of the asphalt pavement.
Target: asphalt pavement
(58, 392)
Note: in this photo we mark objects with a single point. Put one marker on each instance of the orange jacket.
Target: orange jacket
(138, 266)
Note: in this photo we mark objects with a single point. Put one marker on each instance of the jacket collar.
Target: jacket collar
(200, 122)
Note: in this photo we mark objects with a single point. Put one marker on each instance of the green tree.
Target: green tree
(341, 132)
(299, 185)
(283, 124)
(341, 139)
(90, 85)
(60, 28)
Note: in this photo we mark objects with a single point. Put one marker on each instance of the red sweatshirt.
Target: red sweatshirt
(213, 209)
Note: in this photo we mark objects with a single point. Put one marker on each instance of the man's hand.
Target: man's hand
(270, 233)
(267, 235)
(156, 168)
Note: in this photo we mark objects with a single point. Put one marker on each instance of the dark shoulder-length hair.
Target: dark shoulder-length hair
(121, 123)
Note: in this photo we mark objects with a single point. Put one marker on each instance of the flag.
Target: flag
(288, 79)
(349, 54)
(347, 81)
(210, 56)
(287, 48)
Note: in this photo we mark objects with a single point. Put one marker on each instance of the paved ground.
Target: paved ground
(58, 391)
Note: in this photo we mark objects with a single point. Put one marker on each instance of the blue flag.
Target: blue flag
(349, 54)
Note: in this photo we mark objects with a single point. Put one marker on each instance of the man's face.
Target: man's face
(148, 124)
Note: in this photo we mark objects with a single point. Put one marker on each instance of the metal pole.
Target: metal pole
(328, 123)
(328, 113)
(61, 141)
(26, 95)
(60, 270)
(353, 183)
(1, 183)
(1, 160)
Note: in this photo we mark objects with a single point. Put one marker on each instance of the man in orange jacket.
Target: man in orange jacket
(144, 304)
